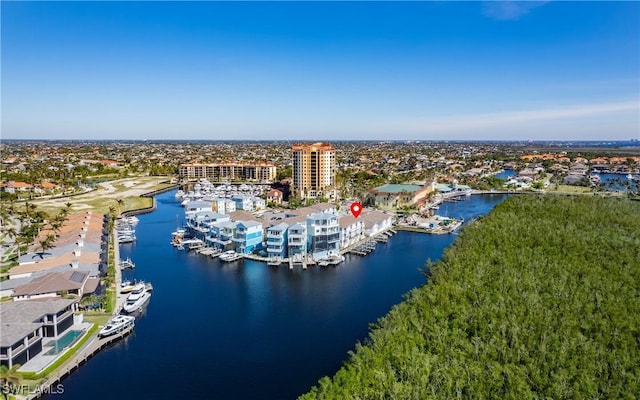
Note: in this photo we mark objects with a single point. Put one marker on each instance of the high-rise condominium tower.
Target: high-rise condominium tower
(314, 170)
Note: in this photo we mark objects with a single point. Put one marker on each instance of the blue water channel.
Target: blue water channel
(245, 330)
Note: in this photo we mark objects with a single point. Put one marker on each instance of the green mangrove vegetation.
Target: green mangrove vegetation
(539, 299)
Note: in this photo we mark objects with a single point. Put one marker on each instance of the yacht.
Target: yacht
(632, 177)
(333, 259)
(127, 287)
(138, 297)
(132, 220)
(116, 325)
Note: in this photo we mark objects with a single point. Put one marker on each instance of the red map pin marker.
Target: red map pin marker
(356, 208)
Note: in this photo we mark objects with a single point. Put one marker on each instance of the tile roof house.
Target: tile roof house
(54, 284)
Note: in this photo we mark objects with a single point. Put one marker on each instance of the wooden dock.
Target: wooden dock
(80, 358)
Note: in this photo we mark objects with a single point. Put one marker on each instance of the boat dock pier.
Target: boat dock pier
(80, 358)
(364, 248)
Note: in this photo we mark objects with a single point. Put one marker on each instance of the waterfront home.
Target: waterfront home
(243, 202)
(248, 236)
(351, 230)
(277, 240)
(55, 284)
(200, 223)
(297, 239)
(195, 206)
(26, 323)
(323, 234)
(221, 235)
(376, 221)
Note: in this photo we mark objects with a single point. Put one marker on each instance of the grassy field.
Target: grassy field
(108, 194)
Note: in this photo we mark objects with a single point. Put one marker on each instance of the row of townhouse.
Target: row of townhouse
(46, 287)
(218, 230)
(320, 233)
(324, 234)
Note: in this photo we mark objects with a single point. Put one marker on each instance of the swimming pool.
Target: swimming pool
(57, 346)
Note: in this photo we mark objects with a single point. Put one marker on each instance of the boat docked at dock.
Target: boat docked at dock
(125, 264)
(127, 287)
(230, 256)
(126, 238)
(333, 259)
(138, 297)
(117, 325)
(131, 220)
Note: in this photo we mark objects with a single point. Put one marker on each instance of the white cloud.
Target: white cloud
(509, 10)
(470, 123)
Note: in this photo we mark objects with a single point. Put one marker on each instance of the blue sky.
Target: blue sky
(321, 70)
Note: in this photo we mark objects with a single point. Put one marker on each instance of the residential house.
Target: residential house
(351, 230)
(243, 202)
(297, 239)
(323, 234)
(248, 236)
(275, 196)
(26, 323)
(376, 221)
(56, 284)
(277, 240)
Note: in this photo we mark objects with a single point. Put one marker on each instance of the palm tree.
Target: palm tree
(10, 377)
(120, 204)
(46, 244)
(112, 217)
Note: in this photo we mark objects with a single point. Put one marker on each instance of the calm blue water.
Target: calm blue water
(619, 182)
(245, 330)
(506, 174)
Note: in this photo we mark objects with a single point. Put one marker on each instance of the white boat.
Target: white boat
(230, 255)
(138, 297)
(227, 254)
(179, 194)
(334, 259)
(116, 325)
(133, 220)
(632, 177)
(127, 287)
(124, 264)
(126, 238)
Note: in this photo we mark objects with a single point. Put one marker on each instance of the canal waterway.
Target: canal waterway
(245, 330)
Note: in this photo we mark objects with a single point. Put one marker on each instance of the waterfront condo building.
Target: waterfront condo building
(323, 234)
(248, 236)
(297, 239)
(229, 172)
(277, 240)
(314, 170)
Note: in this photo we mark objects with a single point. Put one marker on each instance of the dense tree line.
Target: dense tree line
(540, 299)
